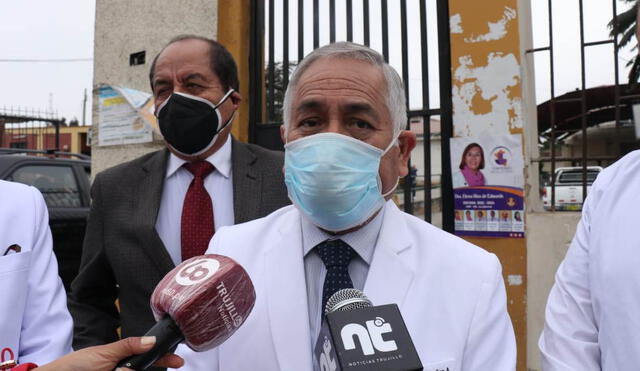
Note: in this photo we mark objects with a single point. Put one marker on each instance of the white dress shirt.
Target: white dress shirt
(592, 319)
(363, 242)
(219, 185)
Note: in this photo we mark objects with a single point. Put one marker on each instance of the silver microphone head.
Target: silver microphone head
(347, 299)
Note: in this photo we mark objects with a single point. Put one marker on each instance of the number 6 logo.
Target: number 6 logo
(197, 271)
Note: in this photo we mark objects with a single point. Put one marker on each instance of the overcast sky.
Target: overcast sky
(43, 30)
(63, 29)
(599, 66)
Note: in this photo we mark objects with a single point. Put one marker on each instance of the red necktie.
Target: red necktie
(197, 212)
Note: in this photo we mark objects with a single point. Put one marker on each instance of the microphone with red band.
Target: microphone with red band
(202, 302)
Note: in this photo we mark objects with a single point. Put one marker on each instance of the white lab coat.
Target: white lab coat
(592, 320)
(35, 324)
(451, 295)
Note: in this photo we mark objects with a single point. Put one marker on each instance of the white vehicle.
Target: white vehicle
(568, 186)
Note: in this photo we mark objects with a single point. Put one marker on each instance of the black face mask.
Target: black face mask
(190, 125)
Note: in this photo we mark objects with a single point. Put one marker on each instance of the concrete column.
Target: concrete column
(548, 234)
(234, 25)
(488, 99)
(123, 27)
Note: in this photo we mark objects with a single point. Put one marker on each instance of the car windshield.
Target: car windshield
(57, 183)
(575, 176)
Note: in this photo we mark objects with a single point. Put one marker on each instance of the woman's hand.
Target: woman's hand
(106, 357)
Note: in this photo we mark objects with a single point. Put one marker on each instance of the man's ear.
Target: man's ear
(407, 142)
(236, 99)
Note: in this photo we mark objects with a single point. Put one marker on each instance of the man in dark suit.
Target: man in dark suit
(160, 209)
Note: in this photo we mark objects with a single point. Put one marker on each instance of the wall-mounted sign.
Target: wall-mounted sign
(488, 186)
(125, 116)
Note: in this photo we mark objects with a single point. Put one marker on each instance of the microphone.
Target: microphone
(356, 335)
(202, 302)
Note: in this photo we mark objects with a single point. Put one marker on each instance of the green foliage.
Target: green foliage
(624, 27)
(278, 89)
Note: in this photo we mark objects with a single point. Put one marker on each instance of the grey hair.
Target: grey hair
(396, 103)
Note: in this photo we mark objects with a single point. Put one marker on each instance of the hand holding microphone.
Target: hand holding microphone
(202, 301)
(105, 357)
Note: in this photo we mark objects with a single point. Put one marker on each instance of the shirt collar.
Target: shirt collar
(220, 159)
(362, 240)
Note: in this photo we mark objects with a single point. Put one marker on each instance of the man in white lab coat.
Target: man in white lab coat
(344, 114)
(35, 325)
(592, 320)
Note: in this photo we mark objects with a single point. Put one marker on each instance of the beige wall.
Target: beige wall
(548, 237)
(123, 27)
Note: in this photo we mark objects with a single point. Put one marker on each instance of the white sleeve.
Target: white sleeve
(491, 344)
(47, 327)
(569, 340)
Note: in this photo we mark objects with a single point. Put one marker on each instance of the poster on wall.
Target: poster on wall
(488, 186)
(125, 116)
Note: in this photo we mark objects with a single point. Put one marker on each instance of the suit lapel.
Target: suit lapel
(390, 276)
(247, 188)
(145, 211)
(287, 297)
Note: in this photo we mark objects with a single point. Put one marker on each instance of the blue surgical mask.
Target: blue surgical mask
(333, 179)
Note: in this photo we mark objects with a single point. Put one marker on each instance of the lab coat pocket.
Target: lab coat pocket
(14, 262)
(14, 275)
(448, 365)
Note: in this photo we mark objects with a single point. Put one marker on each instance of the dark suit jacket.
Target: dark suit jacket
(123, 255)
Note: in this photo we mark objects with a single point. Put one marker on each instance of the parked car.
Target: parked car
(568, 187)
(64, 184)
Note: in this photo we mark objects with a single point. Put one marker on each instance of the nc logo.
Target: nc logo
(326, 362)
(369, 337)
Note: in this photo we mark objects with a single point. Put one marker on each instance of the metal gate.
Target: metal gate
(22, 129)
(572, 113)
(284, 31)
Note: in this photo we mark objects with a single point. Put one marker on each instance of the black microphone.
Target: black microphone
(355, 335)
